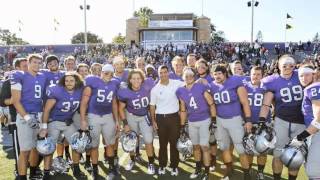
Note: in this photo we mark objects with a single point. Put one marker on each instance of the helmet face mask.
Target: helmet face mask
(129, 141)
(265, 140)
(46, 146)
(60, 165)
(184, 145)
(81, 141)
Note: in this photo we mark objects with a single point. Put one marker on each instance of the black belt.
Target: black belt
(167, 115)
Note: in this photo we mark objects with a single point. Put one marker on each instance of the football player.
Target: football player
(70, 63)
(203, 70)
(230, 94)
(95, 69)
(134, 113)
(99, 100)
(255, 95)
(197, 106)
(63, 100)
(191, 61)
(286, 91)
(27, 89)
(311, 112)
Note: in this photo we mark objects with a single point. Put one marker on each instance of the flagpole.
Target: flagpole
(202, 7)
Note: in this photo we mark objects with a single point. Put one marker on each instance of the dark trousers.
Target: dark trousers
(169, 130)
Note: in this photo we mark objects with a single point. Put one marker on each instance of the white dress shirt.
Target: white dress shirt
(164, 97)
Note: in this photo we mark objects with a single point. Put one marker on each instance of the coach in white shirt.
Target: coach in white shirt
(164, 107)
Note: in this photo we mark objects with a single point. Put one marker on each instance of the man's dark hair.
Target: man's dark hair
(17, 62)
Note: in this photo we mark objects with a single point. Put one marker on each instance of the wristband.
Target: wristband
(27, 117)
(262, 119)
(214, 119)
(302, 136)
(44, 126)
(316, 124)
(125, 122)
(247, 119)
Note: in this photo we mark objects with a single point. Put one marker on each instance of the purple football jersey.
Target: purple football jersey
(255, 97)
(311, 93)
(173, 75)
(226, 97)
(196, 104)
(102, 94)
(288, 96)
(66, 103)
(137, 102)
(208, 77)
(124, 77)
(32, 90)
(52, 78)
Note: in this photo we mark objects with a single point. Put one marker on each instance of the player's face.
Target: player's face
(96, 70)
(149, 71)
(70, 83)
(70, 65)
(53, 65)
(237, 70)
(191, 61)
(140, 64)
(189, 78)
(35, 64)
(136, 80)
(201, 68)
(107, 76)
(119, 67)
(219, 77)
(164, 74)
(178, 67)
(286, 69)
(23, 66)
(306, 79)
(256, 76)
(83, 71)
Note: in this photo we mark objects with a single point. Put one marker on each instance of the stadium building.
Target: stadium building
(178, 29)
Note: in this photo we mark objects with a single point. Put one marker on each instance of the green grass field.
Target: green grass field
(139, 171)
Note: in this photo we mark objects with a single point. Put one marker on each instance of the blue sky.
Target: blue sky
(231, 16)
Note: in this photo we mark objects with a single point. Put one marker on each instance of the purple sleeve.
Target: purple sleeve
(89, 81)
(52, 92)
(314, 93)
(266, 84)
(122, 95)
(16, 78)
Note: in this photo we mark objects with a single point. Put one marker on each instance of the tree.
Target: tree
(8, 38)
(144, 15)
(217, 36)
(91, 37)
(259, 37)
(119, 39)
(316, 38)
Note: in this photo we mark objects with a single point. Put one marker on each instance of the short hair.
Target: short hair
(82, 65)
(51, 57)
(77, 77)
(203, 61)
(95, 64)
(68, 59)
(191, 55)
(34, 56)
(131, 73)
(285, 56)
(163, 67)
(17, 61)
(176, 59)
(258, 68)
(219, 67)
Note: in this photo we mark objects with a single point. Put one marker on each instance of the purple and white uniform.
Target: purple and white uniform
(208, 77)
(100, 116)
(229, 111)
(32, 92)
(255, 97)
(137, 109)
(124, 77)
(102, 95)
(312, 93)
(198, 112)
(52, 78)
(288, 97)
(66, 105)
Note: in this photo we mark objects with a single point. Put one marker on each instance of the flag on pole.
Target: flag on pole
(288, 16)
(56, 24)
(288, 26)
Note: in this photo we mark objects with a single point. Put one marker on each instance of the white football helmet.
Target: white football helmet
(129, 141)
(46, 145)
(80, 141)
